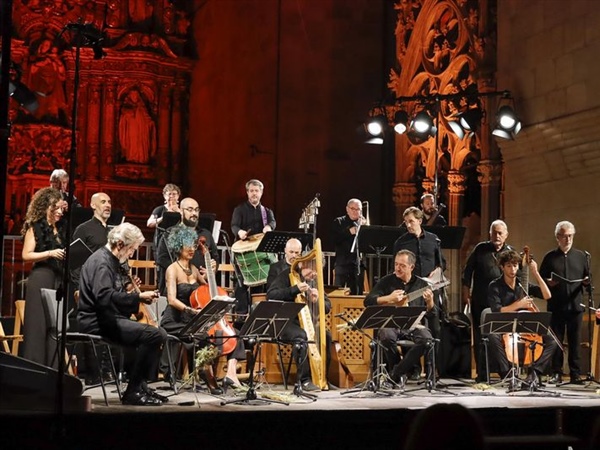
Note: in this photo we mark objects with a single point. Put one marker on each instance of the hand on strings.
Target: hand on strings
(213, 265)
(148, 297)
(533, 265)
(313, 294)
(526, 303)
(397, 297)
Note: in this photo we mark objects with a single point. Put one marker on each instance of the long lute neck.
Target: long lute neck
(419, 292)
(210, 275)
(524, 287)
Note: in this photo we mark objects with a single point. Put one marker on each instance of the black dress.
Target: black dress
(38, 345)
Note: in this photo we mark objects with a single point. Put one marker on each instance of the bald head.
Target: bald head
(293, 249)
(102, 206)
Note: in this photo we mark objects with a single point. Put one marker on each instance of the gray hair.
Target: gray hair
(255, 182)
(58, 174)
(498, 222)
(127, 233)
(412, 259)
(354, 200)
(563, 225)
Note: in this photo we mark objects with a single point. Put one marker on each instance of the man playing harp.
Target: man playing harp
(282, 288)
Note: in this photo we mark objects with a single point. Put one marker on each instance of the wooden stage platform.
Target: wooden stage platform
(561, 417)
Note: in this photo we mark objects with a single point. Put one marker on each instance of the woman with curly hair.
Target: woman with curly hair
(43, 245)
(182, 279)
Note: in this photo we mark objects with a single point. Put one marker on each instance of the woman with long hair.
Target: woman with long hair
(43, 245)
(183, 278)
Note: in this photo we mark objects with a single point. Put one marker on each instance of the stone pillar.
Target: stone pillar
(456, 193)
(163, 157)
(179, 98)
(403, 196)
(490, 177)
(108, 136)
(93, 130)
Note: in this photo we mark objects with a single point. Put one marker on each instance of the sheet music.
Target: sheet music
(216, 231)
(556, 277)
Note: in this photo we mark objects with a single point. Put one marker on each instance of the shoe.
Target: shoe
(309, 386)
(228, 382)
(152, 393)
(514, 385)
(414, 376)
(555, 379)
(402, 382)
(575, 379)
(139, 398)
(532, 382)
(211, 383)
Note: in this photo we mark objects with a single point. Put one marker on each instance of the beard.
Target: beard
(192, 223)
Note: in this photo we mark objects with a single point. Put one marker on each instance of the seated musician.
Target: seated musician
(507, 294)
(165, 255)
(105, 308)
(281, 289)
(182, 279)
(392, 290)
(293, 249)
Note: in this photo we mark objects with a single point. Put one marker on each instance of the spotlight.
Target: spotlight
(422, 123)
(466, 121)
(508, 124)
(373, 129)
(401, 122)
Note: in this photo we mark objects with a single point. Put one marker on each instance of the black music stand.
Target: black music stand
(378, 239)
(201, 323)
(513, 323)
(274, 241)
(265, 323)
(450, 237)
(375, 318)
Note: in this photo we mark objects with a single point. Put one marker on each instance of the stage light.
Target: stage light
(466, 121)
(400, 122)
(422, 123)
(508, 124)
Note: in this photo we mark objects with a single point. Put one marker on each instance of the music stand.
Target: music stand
(265, 323)
(375, 318)
(378, 239)
(274, 241)
(513, 323)
(450, 237)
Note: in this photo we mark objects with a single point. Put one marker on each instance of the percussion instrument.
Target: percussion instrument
(253, 265)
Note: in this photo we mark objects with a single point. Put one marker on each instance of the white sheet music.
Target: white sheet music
(216, 230)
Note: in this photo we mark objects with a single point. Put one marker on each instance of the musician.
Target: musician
(392, 290)
(171, 194)
(94, 234)
(431, 212)
(165, 256)
(105, 308)
(43, 245)
(563, 269)
(59, 180)
(251, 217)
(281, 289)
(343, 231)
(293, 249)
(507, 294)
(480, 270)
(183, 278)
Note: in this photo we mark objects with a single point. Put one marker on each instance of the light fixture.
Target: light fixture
(508, 124)
(400, 121)
(374, 128)
(466, 121)
(422, 126)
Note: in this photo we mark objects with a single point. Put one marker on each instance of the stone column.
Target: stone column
(163, 157)
(490, 176)
(108, 136)
(179, 97)
(403, 196)
(456, 191)
(92, 128)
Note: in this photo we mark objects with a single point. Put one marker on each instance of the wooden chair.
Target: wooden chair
(19, 320)
(148, 267)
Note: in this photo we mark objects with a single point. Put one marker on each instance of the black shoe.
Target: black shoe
(228, 382)
(575, 379)
(211, 383)
(555, 379)
(152, 393)
(415, 376)
(532, 382)
(514, 385)
(309, 386)
(139, 398)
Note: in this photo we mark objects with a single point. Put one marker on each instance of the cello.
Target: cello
(534, 343)
(222, 334)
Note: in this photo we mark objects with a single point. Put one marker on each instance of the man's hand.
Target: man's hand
(267, 228)
(428, 297)
(242, 234)
(148, 297)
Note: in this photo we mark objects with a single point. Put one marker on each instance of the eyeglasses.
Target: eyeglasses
(190, 209)
(354, 208)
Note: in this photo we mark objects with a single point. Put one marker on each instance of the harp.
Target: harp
(312, 316)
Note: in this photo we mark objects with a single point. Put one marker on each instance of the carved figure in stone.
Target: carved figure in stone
(47, 76)
(140, 10)
(137, 131)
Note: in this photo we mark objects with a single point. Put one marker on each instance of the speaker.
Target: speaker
(25, 385)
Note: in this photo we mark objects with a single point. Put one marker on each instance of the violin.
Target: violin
(222, 333)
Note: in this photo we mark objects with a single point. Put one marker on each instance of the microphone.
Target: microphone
(587, 255)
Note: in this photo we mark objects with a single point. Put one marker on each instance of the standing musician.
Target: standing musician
(431, 212)
(391, 290)
(563, 269)
(343, 232)
(281, 289)
(171, 194)
(480, 270)
(59, 180)
(507, 294)
(106, 305)
(165, 256)
(183, 278)
(250, 218)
